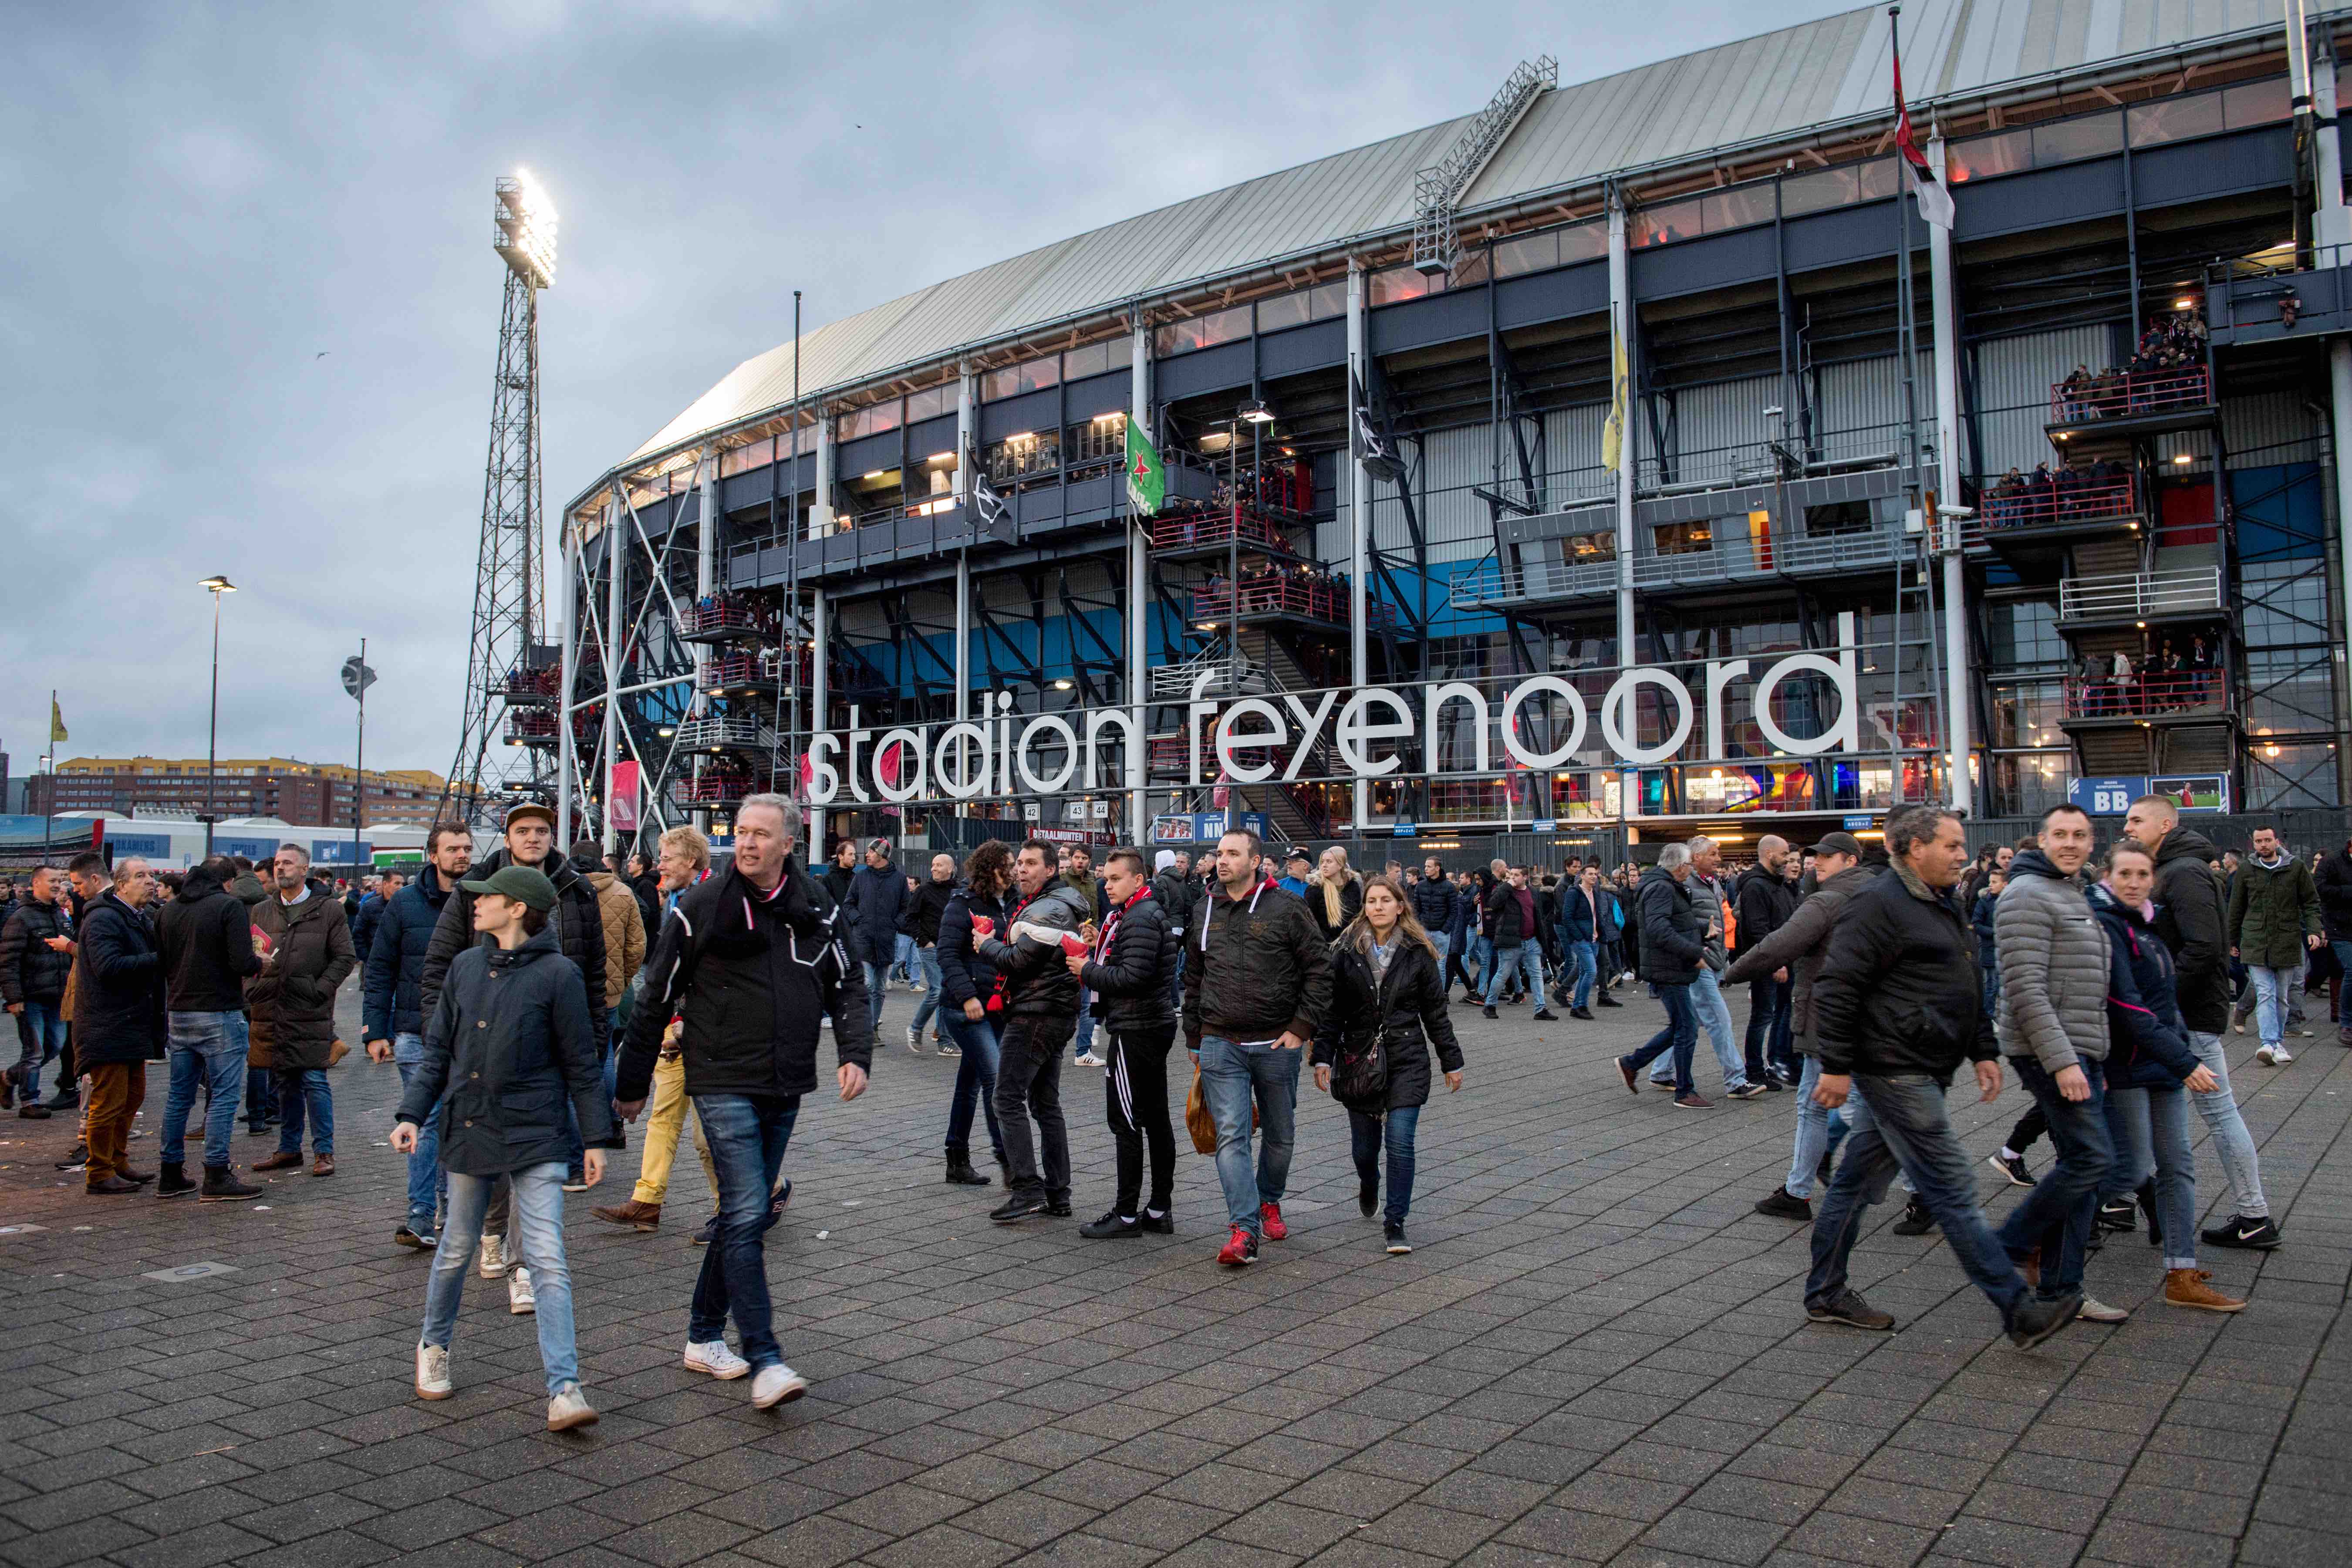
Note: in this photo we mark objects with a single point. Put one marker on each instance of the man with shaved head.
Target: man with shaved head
(1765, 898)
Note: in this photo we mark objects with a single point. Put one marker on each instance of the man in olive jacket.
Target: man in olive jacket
(292, 1007)
(2273, 926)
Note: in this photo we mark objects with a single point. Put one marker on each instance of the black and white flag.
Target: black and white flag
(1372, 448)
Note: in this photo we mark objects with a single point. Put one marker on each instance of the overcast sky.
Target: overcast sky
(251, 308)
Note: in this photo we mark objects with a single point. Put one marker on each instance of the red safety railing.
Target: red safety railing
(2120, 394)
(723, 615)
(2064, 498)
(2132, 695)
(1190, 529)
(1284, 594)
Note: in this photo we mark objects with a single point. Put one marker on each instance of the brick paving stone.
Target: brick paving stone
(1597, 1354)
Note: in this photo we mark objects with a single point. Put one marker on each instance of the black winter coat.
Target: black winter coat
(869, 915)
(29, 971)
(1673, 937)
(965, 974)
(1408, 1008)
(509, 1042)
(206, 935)
(2335, 880)
(1351, 900)
(1500, 918)
(1433, 900)
(921, 920)
(751, 975)
(1038, 981)
(2189, 918)
(2147, 1043)
(1763, 901)
(1130, 978)
(365, 923)
(290, 1005)
(1254, 968)
(394, 1000)
(1898, 991)
(579, 929)
(119, 996)
(1178, 896)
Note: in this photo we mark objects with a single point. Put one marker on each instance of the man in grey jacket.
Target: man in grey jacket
(2052, 1025)
(1797, 945)
(1707, 891)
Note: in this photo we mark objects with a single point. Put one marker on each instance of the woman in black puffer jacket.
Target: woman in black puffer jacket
(1386, 987)
(970, 1007)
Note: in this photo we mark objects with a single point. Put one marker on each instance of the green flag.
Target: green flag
(1146, 484)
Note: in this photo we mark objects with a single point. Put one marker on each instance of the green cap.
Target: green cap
(524, 884)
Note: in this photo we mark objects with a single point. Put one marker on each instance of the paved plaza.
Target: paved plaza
(1599, 1353)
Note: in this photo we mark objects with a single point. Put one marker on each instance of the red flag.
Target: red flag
(1934, 201)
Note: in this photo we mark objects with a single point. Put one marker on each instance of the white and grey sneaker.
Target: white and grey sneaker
(914, 1039)
(520, 1298)
(492, 1263)
(717, 1360)
(776, 1384)
(567, 1409)
(2093, 1310)
(1091, 1060)
(432, 1371)
(2273, 1056)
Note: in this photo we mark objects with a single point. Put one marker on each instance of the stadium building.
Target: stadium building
(1624, 459)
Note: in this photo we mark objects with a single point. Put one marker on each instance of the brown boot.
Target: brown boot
(324, 1165)
(284, 1159)
(633, 1214)
(2186, 1288)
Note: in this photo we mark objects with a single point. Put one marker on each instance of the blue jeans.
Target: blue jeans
(538, 1212)
(975, 1083)
(926, 963)
(1233, 1074)
(2272, 987)
(207, 1049)
(1768, 1043)
(1584, 964)
(1482, 960)
(45, 1038)
(2054, 1219)
(877, 987)
(2232, 1144)
(1904, 1126)
(1369, 1135)
(303, 1095)
(902, 957)
(1176, 972)
(1527, 957)
(1679, 1036)
(1715, 1014)
(1082, 1034)
(2150, 1129)
(261, 1098)
(428, 1187)
(747, 1134)
(1818, 1133)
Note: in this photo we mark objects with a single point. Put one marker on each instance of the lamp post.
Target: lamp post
(216, 585)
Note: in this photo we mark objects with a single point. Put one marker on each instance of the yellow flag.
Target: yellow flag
(56, 722)
(1612, 430)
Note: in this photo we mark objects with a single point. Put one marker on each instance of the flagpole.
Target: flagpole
(359, 765)
(50, 795)
(1908, 346)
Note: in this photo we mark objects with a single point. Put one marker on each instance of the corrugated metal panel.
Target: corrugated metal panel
(2013, 380)
(1720, 431)
(1573, 455)
(1453, 521)
(1863, 410)
(1776, 83)
(2270, 428)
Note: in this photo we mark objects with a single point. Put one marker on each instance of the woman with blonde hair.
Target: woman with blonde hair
(1334, 893)
(1371, 1054)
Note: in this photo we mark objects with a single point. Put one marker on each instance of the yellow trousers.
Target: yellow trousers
(665, 1116)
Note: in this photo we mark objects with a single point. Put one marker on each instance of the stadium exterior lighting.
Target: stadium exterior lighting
(216, 585)
(527, 227)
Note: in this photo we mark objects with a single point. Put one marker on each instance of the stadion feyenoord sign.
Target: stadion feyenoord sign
(1542, 721)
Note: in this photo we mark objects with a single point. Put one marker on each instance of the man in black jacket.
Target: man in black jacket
(1127, 970)
(1040, 1010)
(1435, 899)
(36, 956)
(921, 921)
(2334, 879)
(118, 1019)
(1764, 899)
(391, 1010)
(749, 960)
(1673, 945)
(1256, 986)
(207, 944)
(1898, 1007)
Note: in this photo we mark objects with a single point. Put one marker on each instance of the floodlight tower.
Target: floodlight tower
(507, 654)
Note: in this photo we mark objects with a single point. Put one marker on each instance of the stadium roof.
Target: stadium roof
(1673, 112)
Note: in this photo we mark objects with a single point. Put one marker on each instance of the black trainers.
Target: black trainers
(1020, 1205)
(2256, 1234)
(2121, 1215)
(1583, 1012)
(2013, 1169)
(1745, 1091)
(1112, 1225)
(1545, 1015)
(1394, 1231)
(1915, 1220)
(1606, 1000)
(1368, 1195)
(171, 1181)
(1847, 1306)
(1489, 1011)
(415, 1240)
(2037, 1320)
(1058, 1207)
(1161, 1223)
(1781, 1206)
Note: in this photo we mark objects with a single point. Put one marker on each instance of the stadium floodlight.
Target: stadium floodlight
(1256, 412)
(526, 228)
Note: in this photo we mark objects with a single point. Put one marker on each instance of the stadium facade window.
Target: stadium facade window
(1665, 225)
(1395, 285)
(1029, 375)
(1097, 359)
(1101, 439)
(1325, 301)
(1685, 538)
(1537, 252)
(1741, 207)
(870, 421)
(931, 402)
(1982, 157)
(1203, 331)
(1018, 457)
(1282, 311)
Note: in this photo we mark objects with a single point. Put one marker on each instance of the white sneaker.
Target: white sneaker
(567, 1409)
(2269, 1055)
(717, 1360)
(521, 1299)
(777, 1384)
(432, 1371)
(2280, 1055)
(914, 1039)
(492, 1264)
(1091, 1060)
(826, 1024)
(949, 1050)
(2093, 1310)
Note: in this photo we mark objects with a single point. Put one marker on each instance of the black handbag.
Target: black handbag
(1360, 1073)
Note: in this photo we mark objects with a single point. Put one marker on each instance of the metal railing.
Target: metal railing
(1193, 528)
(1505, 583)
(2062, 498)
(725, 616)
(1733, 556)
(730, 734)
(2125, 394)
(716, 789)
(1173, 683)
(2130, 696)
(2136, 595)
(1286, 594)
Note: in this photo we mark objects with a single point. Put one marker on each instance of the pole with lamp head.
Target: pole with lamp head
(216, 585)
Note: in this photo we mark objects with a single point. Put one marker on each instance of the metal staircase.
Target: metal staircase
(1437, 189)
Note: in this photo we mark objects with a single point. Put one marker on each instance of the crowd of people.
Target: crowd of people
(2160, 678)
(2066, 493)
(2163, 370)
(1304, 589)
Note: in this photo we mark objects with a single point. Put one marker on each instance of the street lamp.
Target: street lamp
(216, 585)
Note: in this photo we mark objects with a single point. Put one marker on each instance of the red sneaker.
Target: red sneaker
(1241, 1249)
(1270, 1216)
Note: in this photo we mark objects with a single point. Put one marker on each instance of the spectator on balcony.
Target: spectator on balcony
(2008, 498)
(2201, 655)
(2074, 394)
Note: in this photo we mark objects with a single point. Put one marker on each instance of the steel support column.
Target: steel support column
(1360, 525)
(1944, 310)
(1620, 340)
(616, 568)
(820, 663)
(1138, 599)
(567, 768)
(967, 459)
(820, 512)
(705, 583)
(2332, 225)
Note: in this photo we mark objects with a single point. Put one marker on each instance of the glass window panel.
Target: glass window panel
(930, 403)
(1880, 179)
(2256, 102)
(1325, 301)
(1397, 283)
(1037, 374)
(1583, 242)
(998, 384)
(1091, 359)
(1665, 225)
(2092, 136)
(1737, 208)
(1982, 157)
(1119, 352)
(2172, 118)
(1282, 310)
(1527, 253)
(1820, 191)
(1201, 332)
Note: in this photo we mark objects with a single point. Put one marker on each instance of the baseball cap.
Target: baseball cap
(1838, 843)
(530, 809)
(524, 884)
